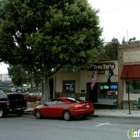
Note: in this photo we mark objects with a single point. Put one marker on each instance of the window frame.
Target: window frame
(69, 81)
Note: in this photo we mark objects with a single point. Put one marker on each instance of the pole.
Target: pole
(128, 94)
(127, 36)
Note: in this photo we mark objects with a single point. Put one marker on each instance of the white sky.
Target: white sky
(118, 18)
(3, 68)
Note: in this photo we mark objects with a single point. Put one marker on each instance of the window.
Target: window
(74, 100)
(3, 97)
(52, 102)
(134, 86)
(114, 87)
(15, 97)
(68, 86)
(104, 90)
(105, 87)
(60, 102)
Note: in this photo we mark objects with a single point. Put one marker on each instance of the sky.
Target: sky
(3, 68)
(118, 18)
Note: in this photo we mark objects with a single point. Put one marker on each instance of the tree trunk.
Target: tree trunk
(46, 87)
(22, 87)
(32, 84)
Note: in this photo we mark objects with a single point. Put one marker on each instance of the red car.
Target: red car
(65, 107)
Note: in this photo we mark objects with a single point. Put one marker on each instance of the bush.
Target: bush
(31, 99)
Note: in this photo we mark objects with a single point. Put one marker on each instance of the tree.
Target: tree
(109, 52)
(45, 35)
(20, 75)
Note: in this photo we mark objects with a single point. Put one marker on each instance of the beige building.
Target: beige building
(79, 82)
(129, 72)
(4, 78)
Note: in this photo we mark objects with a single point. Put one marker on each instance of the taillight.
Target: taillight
(8, 105)
(78, 106)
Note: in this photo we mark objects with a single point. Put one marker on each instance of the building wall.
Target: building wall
(127, 55)
(4, 77)
(59, 77)
(82, 78)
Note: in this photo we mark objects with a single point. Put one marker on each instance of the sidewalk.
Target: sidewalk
(117, 113)
(109, 113)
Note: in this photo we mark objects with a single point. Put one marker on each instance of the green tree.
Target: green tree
(18, 75)
(45, 35)
(109, 52)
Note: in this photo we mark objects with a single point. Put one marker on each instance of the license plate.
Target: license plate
(87, 106)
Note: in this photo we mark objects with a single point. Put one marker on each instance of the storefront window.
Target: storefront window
(108, 91)
(68, 86)
(134, 86)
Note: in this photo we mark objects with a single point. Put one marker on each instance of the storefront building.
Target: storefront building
(77, 84)
(129, 72)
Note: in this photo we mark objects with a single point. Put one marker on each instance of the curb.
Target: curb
(29, 112)
(114, 116)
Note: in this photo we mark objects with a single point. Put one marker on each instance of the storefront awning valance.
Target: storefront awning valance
(133, 72)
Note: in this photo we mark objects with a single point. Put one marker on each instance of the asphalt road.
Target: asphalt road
(92, 128)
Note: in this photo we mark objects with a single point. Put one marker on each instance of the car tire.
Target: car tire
(20, 113)
(1, 113)
(67, 115)
(38, 114)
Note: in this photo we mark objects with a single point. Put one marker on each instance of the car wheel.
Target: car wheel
(20, 113)
(67, 115)
(38, 114)
(1, 113)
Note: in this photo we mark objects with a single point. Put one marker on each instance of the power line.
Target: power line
(124, 7)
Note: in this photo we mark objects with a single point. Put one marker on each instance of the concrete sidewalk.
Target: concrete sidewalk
(109, 113)
(117, 113)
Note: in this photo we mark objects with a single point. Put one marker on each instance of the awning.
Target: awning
(133, 72)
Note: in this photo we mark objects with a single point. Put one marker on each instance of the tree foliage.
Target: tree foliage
(42, 35)
(109, 52)
(19, 75)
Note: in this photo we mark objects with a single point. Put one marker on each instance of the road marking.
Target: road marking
(102, 124)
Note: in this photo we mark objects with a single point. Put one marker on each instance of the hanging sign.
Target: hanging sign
(100, 66)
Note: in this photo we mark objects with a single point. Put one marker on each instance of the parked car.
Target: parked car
(13, 103)
(37, 94)
(65, 107)
(25, 94)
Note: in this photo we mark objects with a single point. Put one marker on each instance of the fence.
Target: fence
(73, 95)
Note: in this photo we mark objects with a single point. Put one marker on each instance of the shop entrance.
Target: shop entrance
(92, 94)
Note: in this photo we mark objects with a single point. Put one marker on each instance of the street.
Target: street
(92, 128)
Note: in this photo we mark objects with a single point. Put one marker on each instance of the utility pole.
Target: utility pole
(128, 93)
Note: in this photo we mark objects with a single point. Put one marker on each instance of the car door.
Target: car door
(60, 107)
(50, 108)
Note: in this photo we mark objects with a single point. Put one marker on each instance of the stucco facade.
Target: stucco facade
(83, 77)
(127, 55)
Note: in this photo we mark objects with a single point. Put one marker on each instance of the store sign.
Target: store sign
(100, 66)
(101, 71)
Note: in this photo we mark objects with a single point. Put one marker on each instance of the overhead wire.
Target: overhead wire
(124, 7)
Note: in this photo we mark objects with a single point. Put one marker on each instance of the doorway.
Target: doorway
(92, 94)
